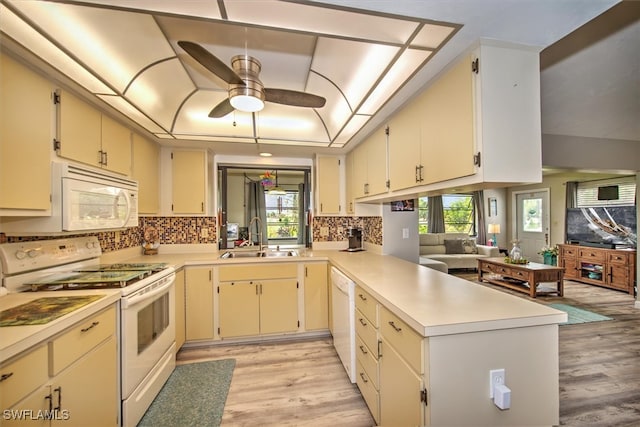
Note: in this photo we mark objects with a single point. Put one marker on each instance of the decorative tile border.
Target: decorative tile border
(172, 230)
(337, 228)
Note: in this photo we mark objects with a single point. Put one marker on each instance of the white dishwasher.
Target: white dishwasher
(343, 307)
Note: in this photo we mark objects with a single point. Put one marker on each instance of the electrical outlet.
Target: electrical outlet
(496, 377)
(204, 232)
(117, 237)
(324, 231)
(405, 233)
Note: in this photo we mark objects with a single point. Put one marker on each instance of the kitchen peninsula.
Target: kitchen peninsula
(463, 330)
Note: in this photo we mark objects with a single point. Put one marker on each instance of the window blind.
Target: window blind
(587, 192)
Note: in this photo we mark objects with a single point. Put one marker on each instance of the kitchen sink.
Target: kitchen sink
(259, 254)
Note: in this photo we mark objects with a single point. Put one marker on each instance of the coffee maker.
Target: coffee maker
(355, 239)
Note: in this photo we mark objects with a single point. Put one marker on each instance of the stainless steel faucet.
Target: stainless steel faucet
(255, 218)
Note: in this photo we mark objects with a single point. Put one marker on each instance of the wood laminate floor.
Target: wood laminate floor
(303, 382)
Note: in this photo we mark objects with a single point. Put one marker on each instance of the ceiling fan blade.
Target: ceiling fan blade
(210, 62)
(293, 97)
(222, 109)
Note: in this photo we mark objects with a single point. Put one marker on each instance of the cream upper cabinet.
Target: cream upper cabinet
(116, 146)
(199, 303)
(189, 182)
(25, 139)
(447, 135)
(316, 296)
(405, 167)
(349, 192)
(370, 166)
(88, 136)
(145, 170)
(328, 185)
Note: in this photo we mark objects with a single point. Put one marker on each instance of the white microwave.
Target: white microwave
(82, 200)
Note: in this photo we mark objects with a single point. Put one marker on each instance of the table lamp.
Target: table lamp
(494, 229)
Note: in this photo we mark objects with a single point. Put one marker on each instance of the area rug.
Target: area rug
(579, 315)
(194, 395)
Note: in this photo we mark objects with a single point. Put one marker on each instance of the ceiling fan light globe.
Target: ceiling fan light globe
(247, 103)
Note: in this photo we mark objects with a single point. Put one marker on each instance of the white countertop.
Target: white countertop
(431, 302)
(15, 339)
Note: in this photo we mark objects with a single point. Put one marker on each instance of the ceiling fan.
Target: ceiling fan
(246, 91)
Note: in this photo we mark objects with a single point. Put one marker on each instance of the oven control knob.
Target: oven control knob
(90, 245)
(33, 252)
(20, 254)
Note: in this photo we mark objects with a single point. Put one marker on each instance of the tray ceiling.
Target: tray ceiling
(127, 54)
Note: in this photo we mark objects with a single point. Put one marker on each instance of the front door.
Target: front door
(532, 223)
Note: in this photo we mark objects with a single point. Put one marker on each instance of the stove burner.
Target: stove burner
(150, 267)
(90, 280)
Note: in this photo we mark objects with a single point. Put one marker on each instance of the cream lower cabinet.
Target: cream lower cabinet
(72, 380)
(199, 303)
(180, 309)
(389, 367)
(257, 299)
(316, 296)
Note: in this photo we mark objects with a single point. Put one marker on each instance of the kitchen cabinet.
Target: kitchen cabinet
(199, 303)
(145, 170)
(610, 268)
(88, 136)
(367, 350)
(316, 296)
(65, 373)
(180, 309)
(189, 182)
(25, 140)
(406, 167)
(401, 367)
(370, 166)
(328, 185)
(257, 299)
(349, 178)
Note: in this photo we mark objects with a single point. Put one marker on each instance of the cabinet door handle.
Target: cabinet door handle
(393, 325)
(362, 322)
(5, 376)
(93, 325)
(362, 297)
(59, 391)
(106, 159)
(363, 350)
(379, 349)
(364, 379)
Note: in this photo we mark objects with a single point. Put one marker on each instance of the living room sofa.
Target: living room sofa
(456, 250)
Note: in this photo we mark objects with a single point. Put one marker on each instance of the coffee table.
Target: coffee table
(521, 277)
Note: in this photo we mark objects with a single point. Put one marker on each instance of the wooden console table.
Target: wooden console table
(520, 277)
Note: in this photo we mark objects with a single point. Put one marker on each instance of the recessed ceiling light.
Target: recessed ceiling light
(265, 154)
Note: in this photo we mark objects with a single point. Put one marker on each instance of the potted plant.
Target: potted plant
(549, 254)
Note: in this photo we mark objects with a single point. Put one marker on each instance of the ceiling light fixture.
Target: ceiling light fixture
(250, 96)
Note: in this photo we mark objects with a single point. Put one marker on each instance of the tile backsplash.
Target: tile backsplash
(197, 230)
(336, 228)
(172, 230)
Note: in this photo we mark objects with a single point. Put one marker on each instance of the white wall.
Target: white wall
(394, 224)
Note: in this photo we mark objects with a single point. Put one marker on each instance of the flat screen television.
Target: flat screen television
(609, 192)
(615, 226)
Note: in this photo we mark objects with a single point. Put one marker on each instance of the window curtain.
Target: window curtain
(256, 208)
(302, 227)
(478, 206)
(436, 214)
(571, 194)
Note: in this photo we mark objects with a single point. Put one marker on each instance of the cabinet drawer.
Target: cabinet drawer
(519, 274)
(232, 273)
(80, 339)
(591, 254)
(22, 376)
(367, 332)
(569, 252)
(496, 269)
(367, 305)
(405, 340)
(617, 258)
(368, 390)
(368, 359)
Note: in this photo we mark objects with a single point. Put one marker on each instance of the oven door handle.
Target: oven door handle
(143, 296)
